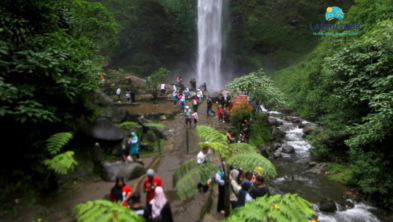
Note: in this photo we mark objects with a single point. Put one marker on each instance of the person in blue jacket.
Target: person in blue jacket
(134, 145)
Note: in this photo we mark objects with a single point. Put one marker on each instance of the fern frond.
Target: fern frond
(183, 169)
(187, 187)
(206, 133)
(289, 207)
(104, 211)
(242, 148)
(55, 142)
(251, 161)
(62, 163)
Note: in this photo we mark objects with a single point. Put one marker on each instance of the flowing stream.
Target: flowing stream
(209, 42)
(291, 179)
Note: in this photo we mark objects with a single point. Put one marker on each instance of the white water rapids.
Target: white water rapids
(209, 42)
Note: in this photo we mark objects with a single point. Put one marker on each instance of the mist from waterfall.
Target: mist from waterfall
(209, 43)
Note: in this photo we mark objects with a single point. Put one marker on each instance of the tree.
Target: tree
(48, 78)
(259, 87)
(158, 77)
(238, 154)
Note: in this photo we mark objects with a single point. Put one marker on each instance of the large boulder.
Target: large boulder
(103, 99)
(326, 205)
(288, 149)
(308, 129)
(119, 115)
(104, 129)
(272, 121)
(129, 171)
(277, 154)
(277, 134)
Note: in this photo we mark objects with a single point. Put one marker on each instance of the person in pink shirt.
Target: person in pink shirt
(195, 116)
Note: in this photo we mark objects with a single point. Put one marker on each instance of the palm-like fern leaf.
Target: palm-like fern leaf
(61, 163)
(289, 207)
(251, 161)
(57, 141)
(183, 169)
(105, 211)
(241, 148)
(127, 124)
(206, 133)
(187, 187)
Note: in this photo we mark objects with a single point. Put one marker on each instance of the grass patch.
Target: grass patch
(341, 173)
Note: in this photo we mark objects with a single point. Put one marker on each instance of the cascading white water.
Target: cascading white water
(209, 43)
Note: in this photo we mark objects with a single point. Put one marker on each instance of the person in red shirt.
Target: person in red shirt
(230, 105)
(220, 113)
(121, 192)
(150, 184)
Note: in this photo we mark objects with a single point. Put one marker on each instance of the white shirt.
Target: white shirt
(199, 94)
(202, 157)
(118, 91)
(174, 88)
(163, 86)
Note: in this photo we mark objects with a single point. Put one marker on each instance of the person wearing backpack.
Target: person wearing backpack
(195, 103)
(188, 116)
(182, 104)
(174, 94)
(209, 107)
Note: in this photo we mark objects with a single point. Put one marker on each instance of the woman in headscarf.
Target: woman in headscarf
(120, 192)
(134, 145)
(243, 195)
(159, 207)
(182, 103)
(233, 188)
(221, 188)
(174, 94)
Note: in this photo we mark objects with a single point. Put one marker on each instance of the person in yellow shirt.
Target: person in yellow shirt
(314, 218)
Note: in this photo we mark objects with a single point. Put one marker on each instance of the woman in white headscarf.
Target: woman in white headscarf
(234, 188)
(160, 208)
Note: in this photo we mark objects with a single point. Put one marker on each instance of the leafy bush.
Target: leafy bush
(239, 114)
(260, 130)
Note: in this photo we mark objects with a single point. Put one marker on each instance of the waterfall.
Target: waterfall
(209, 43)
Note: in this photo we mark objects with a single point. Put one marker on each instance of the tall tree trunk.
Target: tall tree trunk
(227, 204)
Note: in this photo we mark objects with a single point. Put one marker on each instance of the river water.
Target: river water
(291, 179)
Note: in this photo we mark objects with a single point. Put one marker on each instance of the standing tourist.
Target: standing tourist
(221, 188)
(202, 159)
(134, 145)
(243, 195)
(118, 93)
(195, 116)
(228, 99)
(128, 95)
(260, 190)
(195, 103)
(230, 106)
(174, 94)
(187, 93)
(133, 95)
(200, 95)
(120, 192)
(182, 102)
(247, 134)
(155, 99)
(204, 87)
(150, 184)
(234, 188)
(220, 113)
(188, 116)
(209, 106)
(136, 206)
(222, 100)
(179, 80)
(160, 208)
(163, 88)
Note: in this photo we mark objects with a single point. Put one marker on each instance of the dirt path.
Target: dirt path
(60, 206)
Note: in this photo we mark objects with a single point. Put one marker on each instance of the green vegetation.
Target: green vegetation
(153, 33)
(274, 34)
(260, 130)
(259, 87)
(341, 173)
(158, 77)
(345, 86)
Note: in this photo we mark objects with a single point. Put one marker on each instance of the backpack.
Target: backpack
(195, 102)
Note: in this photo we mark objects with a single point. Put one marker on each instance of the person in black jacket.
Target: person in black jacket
(136, 206)
(160, 208)
(132, 95)
(222, 100)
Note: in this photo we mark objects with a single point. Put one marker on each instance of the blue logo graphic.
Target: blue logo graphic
(334, 13)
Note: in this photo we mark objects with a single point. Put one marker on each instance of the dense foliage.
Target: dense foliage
(49, 71)
(153, 33)
(346, 86)
(259, 87)
(274, 34)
